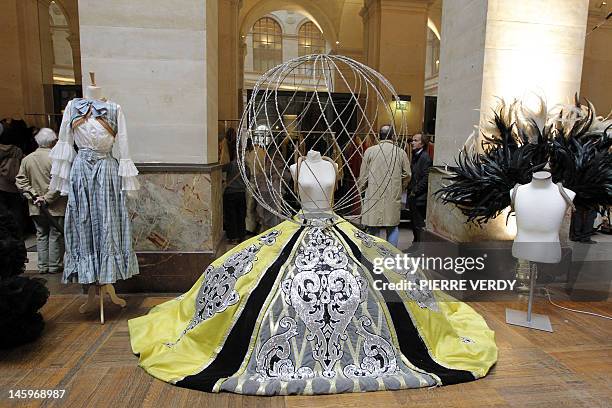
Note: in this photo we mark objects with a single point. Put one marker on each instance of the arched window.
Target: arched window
(310, 41)
(63, 68)
(267, 44)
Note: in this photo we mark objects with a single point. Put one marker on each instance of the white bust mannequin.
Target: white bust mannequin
(317, 179)
(93, 91)
(540, 208)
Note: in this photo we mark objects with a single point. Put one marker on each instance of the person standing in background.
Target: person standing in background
(417, 189)
(271, 179)
(10, 158)
(34, 177)
(384, 186)
(582, 225)
(223, 149)
(234, 200)
(251, 204)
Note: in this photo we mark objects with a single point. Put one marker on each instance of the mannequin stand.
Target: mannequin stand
(102, 290)
(528, 319)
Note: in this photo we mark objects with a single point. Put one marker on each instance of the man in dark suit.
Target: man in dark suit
(417, 189)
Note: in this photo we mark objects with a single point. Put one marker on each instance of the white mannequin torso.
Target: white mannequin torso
(540, 208)
(94, 92)
(317, 179)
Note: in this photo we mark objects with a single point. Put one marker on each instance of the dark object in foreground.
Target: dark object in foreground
(20, 297)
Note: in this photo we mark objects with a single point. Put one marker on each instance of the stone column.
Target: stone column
(228, 61)
(492, 49)
(596, 84)
(290, 46)
(395, 40)
(11, 91)
(46, 43)
(158, 59)
(242, 61)
(75, 44)
(21, 85)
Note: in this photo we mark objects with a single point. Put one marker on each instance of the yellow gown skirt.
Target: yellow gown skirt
(296, 310)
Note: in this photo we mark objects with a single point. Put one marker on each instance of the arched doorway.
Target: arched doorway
(60, 56)
(59, 31)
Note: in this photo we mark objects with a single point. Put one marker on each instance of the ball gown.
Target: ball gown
(296, 310)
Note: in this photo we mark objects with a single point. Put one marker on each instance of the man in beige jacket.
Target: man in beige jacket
(384, 173)
(34, 176)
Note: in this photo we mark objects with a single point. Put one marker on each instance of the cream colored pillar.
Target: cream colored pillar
(395, 41)
(46, 44)
(229, 54)
(596, 82)
(75, 44)
(11, 90)
(21, 86)
(243, 60)
(163, 71)
(498, 48)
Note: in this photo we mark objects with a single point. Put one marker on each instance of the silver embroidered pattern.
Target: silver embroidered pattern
(217, 291)
(366, 239)
(325, 295)
(423, 297)
(269, 238)
(379, 357)
(273, 356)
(369, 242)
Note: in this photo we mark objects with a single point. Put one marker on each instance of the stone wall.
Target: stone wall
(156, 58)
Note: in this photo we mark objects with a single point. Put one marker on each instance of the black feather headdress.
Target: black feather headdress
(574, 142)
(580, 156)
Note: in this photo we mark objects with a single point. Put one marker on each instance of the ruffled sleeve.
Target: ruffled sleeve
(62, 156)
(127, 169)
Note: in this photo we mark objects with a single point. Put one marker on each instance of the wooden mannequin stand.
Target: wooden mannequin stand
(102, 290)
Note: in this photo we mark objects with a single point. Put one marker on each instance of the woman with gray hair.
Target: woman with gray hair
(34, 177)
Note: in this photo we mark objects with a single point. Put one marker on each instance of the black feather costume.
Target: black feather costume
(578, 154)
(481, 182)
(581, 160)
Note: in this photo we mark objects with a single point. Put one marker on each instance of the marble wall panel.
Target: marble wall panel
(176, 212)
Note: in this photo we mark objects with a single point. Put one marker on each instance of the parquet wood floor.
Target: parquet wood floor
(571, 367)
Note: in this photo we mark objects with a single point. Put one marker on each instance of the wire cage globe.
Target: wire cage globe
(328, 103)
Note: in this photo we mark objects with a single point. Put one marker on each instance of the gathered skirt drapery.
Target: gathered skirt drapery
(97, 225)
